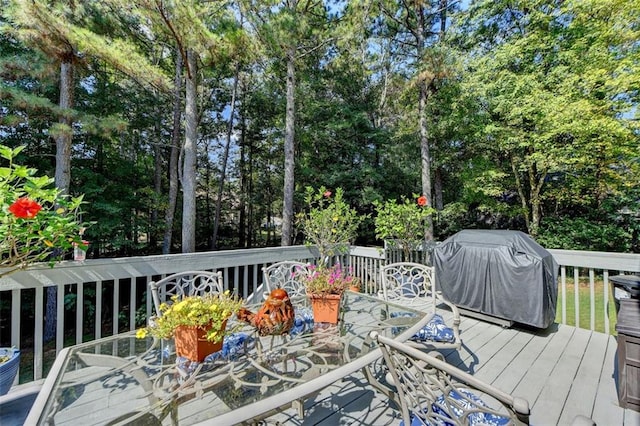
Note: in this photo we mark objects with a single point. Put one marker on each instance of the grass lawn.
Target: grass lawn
(584, 305)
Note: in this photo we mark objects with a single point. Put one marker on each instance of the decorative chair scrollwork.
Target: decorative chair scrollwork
(413, 285)
(286, 275)
(189, 283)
(430, 391)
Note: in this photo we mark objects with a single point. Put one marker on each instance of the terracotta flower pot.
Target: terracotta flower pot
(326, 308)
(192, 343)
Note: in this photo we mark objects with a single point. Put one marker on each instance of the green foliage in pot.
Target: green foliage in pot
(37, 223)
(206, 311)
(329, 222)
(403, 223)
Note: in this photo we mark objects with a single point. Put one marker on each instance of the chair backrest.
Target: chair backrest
(411, 284)
(430, 389)
(189, 283)
(286, 275)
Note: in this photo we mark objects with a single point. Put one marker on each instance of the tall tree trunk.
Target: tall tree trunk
(250, 211)
(425, 155)
(438, 184)
(173, 157)
(63, 139)
(62, 173)
(438, 203)
(225, 157)
(154, 231)
(189, 157)
(244, 193)
(289, 151)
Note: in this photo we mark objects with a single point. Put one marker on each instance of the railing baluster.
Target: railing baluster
(98, 312)
(79, 311)
(592, 302)
(38, 335)
(116, 305)
(576, 294)
(605, 277)
(15, 322)
(60, 318)
(563, 292)
(132, 303)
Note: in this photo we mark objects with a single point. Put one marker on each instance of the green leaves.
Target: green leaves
(403, 223)
(329, 223)
(25, 239)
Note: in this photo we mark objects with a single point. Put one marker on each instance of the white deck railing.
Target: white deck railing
(115, 290)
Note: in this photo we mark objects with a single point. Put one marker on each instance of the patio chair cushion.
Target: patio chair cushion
(469, 401)
(303, 321)
(436, 330)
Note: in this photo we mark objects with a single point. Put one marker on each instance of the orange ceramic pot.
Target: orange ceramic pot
(326, 308)
(192, 343)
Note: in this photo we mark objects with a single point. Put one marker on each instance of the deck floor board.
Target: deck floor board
(562, 372)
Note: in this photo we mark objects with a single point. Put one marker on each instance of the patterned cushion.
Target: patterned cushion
(434, 331)
(303, 321)
(233, 346)
(467, 400)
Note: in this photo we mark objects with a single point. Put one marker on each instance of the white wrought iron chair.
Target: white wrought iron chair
(181, 284)
(431, 391)
(286, 275)
(413, 284)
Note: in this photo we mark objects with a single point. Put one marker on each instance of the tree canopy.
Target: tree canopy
(190, 124)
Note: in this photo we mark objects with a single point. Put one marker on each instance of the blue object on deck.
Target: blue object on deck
(8, 369)
(463, 400)
(436, 330)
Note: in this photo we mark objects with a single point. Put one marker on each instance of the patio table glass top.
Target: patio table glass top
(125, 380)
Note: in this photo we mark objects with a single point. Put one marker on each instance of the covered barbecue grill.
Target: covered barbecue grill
(502, 274)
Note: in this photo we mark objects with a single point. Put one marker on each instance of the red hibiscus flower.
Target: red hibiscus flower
(25, 208)
(422, 201)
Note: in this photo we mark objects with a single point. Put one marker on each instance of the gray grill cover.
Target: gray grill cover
(505, 274)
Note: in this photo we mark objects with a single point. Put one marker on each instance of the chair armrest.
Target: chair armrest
(432, 389)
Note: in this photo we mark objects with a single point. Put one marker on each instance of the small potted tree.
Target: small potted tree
(402, 225)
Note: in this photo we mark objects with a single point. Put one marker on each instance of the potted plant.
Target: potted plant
(403, 224)
(324, 286)
(197, 323)
(38, 223)
(329, 222)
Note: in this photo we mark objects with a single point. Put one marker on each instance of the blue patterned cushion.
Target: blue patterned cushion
(303, 321)
(434, 331)
(232, 347)
(467, 400)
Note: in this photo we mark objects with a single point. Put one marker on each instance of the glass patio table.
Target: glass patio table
(122, 380)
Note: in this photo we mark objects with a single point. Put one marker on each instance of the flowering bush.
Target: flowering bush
(329, 280)
(403, 223)
(37, 222)
(329, 223)
(194, 311)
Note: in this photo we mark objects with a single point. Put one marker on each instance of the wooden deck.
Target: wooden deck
(562, 372)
